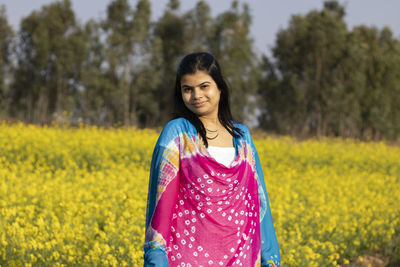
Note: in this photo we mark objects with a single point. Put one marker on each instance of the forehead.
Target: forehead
(196, 78)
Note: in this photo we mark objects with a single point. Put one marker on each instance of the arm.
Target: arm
(161, 199)
(270, 255)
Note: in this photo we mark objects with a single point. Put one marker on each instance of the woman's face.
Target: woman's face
(200, 94)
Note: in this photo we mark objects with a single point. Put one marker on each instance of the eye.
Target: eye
(204, 86)
(186, 89)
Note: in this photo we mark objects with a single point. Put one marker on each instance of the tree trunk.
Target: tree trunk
(86, 106)
(134, 107)
(126, 99)
(42, 107)
(317, 95)
(325, 127)
(342, 129)
(29, 111)
(59, 96)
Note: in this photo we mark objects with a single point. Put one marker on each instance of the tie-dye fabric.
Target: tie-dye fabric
(203, 213)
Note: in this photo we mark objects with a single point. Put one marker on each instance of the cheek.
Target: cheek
(218, 95)
(185, 98)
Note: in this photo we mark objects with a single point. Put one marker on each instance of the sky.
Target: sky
(269, 16)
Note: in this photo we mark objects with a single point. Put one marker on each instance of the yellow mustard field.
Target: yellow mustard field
(77, 196)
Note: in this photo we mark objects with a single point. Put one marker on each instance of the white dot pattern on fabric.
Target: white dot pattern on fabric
(213, 197)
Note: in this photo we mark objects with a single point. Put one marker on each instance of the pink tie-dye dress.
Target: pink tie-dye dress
(202, 212)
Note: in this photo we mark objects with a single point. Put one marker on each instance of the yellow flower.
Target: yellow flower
(78, 195)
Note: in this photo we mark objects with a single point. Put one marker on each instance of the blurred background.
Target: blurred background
(304, 68)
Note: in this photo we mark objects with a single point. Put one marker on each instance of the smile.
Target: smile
(199, 104)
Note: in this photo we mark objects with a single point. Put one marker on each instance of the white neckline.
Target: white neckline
(222, 147)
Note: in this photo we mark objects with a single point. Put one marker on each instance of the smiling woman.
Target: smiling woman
(202, 99)
(207, 205)
(202, 96)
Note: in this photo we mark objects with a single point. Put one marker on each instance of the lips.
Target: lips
(199, 104)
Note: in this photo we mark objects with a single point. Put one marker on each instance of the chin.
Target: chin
(196, 112)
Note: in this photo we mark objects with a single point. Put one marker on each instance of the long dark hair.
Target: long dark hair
(203, 61)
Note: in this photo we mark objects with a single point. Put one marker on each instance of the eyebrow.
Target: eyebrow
(187, 86)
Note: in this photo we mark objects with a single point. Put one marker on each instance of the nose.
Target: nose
(197, 94)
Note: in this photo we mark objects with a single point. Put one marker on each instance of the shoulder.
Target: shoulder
(243, 128)
(246, 133)
(177, 126)
(172, 130)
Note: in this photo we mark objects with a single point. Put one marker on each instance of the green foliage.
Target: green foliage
(6, 42)
(323, 79)
(198, 30)
(327, 80)
(232, 46)
(380, 64)
(98, 86)
(126, 30)
(170, 31)
(50, 54)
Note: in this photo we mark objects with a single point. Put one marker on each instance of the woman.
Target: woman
(207, 203)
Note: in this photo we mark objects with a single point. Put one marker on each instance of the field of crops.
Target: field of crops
(77, 197)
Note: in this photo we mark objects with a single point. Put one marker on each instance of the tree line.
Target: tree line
(322, 79)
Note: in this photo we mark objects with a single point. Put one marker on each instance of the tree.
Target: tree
(126, 30)
(198, 27)
(141, 27)
(308, 52)
(232, 46)
(148, 81)
(95, 98)
(380, 95)
(170, 33)
(280, 106)
(49, 58)
(6, 42)
(329, 81)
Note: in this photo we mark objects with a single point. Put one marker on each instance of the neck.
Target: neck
(210, 122)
